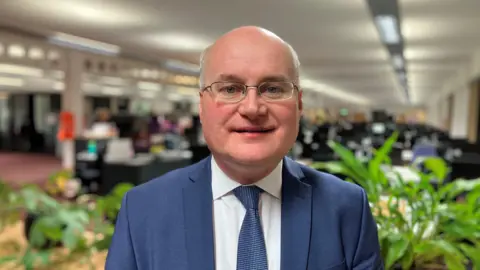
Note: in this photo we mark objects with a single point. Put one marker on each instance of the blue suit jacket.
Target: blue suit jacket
(167, 223)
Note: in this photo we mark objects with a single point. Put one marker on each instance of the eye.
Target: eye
(231, 88)
(273, 88)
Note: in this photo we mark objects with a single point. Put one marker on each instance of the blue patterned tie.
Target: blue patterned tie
(252, 253)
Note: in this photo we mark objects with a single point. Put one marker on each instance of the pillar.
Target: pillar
(114, 105)
(73, 100)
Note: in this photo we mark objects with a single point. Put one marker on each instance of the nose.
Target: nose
(251, 106)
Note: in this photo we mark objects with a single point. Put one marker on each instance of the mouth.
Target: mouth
(254, 130)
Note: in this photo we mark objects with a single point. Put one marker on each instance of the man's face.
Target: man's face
(225, 124)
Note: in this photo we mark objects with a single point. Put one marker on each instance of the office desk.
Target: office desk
(137, 173)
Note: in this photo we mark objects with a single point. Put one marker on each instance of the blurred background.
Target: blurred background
(100, 96)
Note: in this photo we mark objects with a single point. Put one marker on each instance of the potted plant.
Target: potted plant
(420, 224)
(78, 226)
(61, 186)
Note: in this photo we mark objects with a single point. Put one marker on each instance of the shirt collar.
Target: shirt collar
(222, 184)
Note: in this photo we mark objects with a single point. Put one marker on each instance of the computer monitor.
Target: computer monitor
(125, 124)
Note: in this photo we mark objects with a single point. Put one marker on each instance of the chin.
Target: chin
(254, 154)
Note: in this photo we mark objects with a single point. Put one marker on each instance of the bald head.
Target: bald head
(250, 37)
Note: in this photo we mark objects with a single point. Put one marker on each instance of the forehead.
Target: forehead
(251, 61)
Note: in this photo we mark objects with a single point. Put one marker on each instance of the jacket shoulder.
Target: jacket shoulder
(165, 186)
(333, 188)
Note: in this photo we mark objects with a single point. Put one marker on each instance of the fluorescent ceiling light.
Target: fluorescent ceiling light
(14, 82)
(21, 70)
(187, 91)
(388, 27)
(182, 66)
(114, 91)
(57, 74)
(398, 62)
(149, 86)
(36, 53)
(90, 87)
(84, 44)
(16, 51)
(332, 92)
(92, 13)
(180, 42)
(113, 81)
(58, 86)
(147, 94)
(53, 55)
(175, 97)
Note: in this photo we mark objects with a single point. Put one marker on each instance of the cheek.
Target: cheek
(287, 116)
(215, 116)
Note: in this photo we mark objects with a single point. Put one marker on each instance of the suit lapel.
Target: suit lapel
(197, 201)
(296, 217)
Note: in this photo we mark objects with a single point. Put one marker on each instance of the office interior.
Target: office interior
(127, 72)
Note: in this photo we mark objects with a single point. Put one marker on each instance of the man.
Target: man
(247, 207)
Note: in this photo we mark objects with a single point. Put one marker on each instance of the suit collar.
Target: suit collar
(296, 217)
(198, 216)
(222, 184)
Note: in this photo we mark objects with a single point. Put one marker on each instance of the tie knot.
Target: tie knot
(248, 195)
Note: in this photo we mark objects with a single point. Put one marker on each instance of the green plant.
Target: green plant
(108, 207)
(56, 222)
(63, 222)
(420, 226)
(9, 206)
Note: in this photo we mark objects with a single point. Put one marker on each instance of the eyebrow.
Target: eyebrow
(269, 78)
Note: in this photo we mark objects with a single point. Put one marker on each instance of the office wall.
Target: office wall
(473, 111)
(459, 124)
(433, 114)
(437, 111)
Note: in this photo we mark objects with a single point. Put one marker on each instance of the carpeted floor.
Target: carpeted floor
(20, 168)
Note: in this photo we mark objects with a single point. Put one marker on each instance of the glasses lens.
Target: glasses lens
(276, 90)
(228, 91)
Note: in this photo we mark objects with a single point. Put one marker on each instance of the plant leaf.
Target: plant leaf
(396, 250)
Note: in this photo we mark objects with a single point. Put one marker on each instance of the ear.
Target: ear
(200, 107)
(300, 101)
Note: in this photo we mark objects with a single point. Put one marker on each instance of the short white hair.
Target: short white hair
(204, 54)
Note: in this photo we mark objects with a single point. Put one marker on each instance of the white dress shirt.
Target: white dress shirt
(228, 214)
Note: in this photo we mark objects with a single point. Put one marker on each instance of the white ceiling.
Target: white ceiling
(441, 38)
(337, 41)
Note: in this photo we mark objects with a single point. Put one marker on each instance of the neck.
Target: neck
(245, 174)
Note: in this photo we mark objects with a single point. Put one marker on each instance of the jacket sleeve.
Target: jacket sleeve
(121, 254)
(367, 254)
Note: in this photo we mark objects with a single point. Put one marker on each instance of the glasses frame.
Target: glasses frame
(257, 87)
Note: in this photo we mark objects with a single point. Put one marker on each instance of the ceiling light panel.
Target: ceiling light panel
(21, 70)
(149, 86)
(95, 13)
(431, 66)
(112, 91)
(398, 61)
(312, 85)
(58, 86)
(16, 51)
(36, 53)
(178, 41)
(388, 28)
(114, 81)
(12, 82)
(81, 43)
